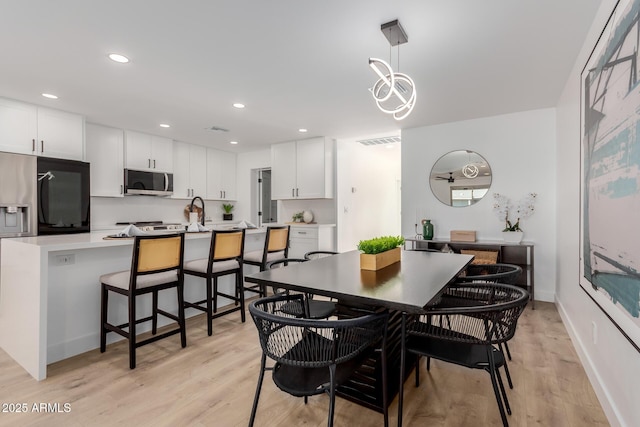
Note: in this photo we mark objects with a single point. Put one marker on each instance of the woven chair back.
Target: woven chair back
(488, 314)
(491, 273)
(312, 343)
(278, 239)
(227, 245)
(157, 253)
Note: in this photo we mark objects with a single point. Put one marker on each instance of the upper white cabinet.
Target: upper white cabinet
(148, 152)
(221, 175)
(302, 169)
(105, 152)
(189, 170)
(27, 129)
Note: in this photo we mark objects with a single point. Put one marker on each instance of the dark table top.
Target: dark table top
(408, 285)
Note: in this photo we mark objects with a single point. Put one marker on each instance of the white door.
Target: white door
(283, 170)
(18, 127)
(161, 154)
(310, 169)
(137, 150)
(60, 134)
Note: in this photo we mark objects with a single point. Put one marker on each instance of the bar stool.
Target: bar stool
(225, 257)
(276, 246)
(157, 264)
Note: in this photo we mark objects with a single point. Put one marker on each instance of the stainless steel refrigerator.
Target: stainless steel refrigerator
(17, 196)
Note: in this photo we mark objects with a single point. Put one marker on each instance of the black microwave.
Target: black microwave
(148, 183)
(63, 196)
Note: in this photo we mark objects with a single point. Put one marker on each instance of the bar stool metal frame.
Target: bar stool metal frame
(314, 356)
(225, 257)
(157, 264)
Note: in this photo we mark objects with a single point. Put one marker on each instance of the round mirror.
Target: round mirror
(460, 178)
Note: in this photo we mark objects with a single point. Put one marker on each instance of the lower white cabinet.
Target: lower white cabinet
(105, 152)
(307, 238)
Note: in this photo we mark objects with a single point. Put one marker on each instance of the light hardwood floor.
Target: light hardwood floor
(212, 382)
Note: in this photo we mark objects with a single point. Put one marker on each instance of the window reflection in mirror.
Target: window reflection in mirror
(460, 178)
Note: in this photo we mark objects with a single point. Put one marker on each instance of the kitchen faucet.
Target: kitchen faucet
(191, 207)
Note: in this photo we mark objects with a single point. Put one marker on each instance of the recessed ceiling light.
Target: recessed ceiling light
(49, 95)
(302, 130)
(233, 142)
(118, 58)
(164, 125)
(238, 105)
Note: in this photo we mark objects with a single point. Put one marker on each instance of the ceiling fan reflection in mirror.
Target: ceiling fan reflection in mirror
(449, 178)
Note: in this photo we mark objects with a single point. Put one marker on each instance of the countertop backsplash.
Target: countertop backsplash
(324, 211)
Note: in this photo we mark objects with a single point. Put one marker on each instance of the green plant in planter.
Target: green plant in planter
(380, 244)
(297, 217)
(228, 208)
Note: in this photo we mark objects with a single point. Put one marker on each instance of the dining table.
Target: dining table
(404, 288)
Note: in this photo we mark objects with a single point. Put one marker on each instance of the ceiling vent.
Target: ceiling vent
(217, 129)
(380, 141)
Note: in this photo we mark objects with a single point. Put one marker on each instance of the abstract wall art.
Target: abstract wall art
(610, 172)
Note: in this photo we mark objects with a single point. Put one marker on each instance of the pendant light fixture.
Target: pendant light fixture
(394, 93)
(470, 170)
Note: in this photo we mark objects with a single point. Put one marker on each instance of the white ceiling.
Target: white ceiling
(294, 63)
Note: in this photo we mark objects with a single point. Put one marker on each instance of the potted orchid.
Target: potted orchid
(509, 212)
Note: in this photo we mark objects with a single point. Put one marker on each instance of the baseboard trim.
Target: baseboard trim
(602, 393)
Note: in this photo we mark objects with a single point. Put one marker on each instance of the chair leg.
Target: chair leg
(240, 294)
(402, 363)
(259, 386)
(506, 370)
(506, 347)
(103, 319)
(417, 370)
(181, 316)
(504, 392)
(332, 394)
(209, 307)
(385, 396)
(215, 294)
(132, 331)
(492, 373)
(154, 320)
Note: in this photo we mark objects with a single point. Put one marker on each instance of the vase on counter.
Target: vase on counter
(427, 229)
(512, 236)
(307, 217)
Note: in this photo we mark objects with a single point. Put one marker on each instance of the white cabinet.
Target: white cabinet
(189, 170)
(303, 239)
(18, 127)
(148, 152)
(105, 152)
(60, 134)
(221, 175)
(27, 129)
(302, 169)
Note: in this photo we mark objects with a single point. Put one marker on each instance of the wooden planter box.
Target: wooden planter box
(379, 261)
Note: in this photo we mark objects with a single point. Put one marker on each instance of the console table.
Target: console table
(520, 254)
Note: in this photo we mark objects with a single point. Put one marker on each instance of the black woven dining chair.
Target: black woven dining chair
(467, 335)
(314, 356)
(313, 308)
(318, 254)
(489, 273)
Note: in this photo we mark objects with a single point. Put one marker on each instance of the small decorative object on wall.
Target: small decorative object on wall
(379, 252)
(507, 212)
(227, 215)
(610, 167)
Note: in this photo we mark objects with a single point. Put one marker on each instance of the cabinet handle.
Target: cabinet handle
(302, 232)
(121, 189)
(297, 195)
(149, 163)
(293, 192)
(224, 193)
(33, 145)
(42, 146)
(154, 163)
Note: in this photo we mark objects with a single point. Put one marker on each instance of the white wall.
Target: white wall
(520, 148)
(368, 192)
(613, 365)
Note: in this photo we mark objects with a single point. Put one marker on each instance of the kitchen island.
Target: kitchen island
(50, 292)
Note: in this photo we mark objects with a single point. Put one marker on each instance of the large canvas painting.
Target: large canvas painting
(610, 179)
